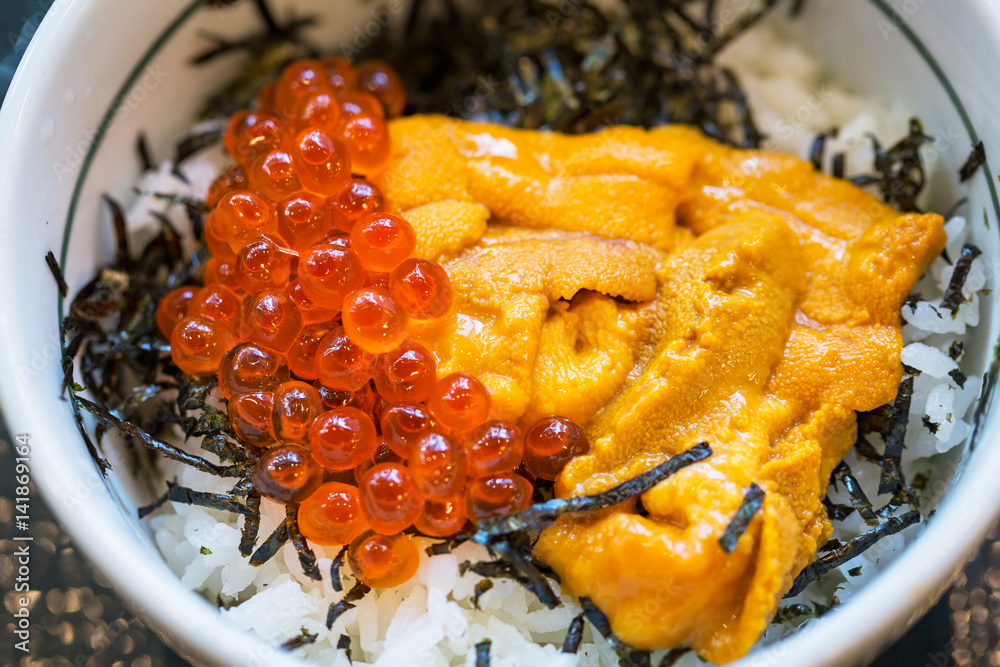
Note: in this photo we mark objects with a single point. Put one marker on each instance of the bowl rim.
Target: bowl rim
(872, 615)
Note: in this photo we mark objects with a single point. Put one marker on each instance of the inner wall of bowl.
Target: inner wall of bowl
(167, 94)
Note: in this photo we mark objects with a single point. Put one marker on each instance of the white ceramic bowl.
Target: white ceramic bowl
(100, 71)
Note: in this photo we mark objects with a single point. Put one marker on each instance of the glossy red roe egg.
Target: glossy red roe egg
(403, 424)
(383, 561)
(173, 308)
(442, 518)
(460, 402)
(342, 438)
(232, 180)
(274, 176)
(497, 495)
(250, 418)
(297, 80)
(251, 367)
(389, 498)
(322, 162)
(328, 273)
(303, 220)
(222, 274)
(380, 80)
(296, 406)
(263, 135)
(494, 447)
(261, 265)
(374, 320)
(341, 364)
(215, 303)
(382, 241)
(551, 443)
(270, 317)
(310, 311)
(197, 344)
(438, 466)
(332, 515)
(286, 474)
(358, 198)
(408, 373)
(302, 353)
(423, 288)
(319, 109)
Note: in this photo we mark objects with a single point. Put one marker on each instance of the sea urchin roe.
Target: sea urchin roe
(332, 515)
(383, 561)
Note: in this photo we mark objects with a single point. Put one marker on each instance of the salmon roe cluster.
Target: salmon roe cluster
(305, 317)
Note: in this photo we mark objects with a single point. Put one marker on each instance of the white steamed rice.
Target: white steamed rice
(431, 620)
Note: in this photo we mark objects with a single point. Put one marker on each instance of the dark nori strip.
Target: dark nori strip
(628, 656)
(912, 301)
(855, 571)
(753, 500)
(182, 494)
(446, 546)
(480, 590)
(975, 160)
(153, 443)
(307, 558)
(866, 450)
(955, 208)
(274, 541)
(797, 7)
(251, 523)
(818, 151)
(837, 512)
(175, 200)
(545, 514)
(673, 656)
(145, 156)
(526, 571)
(57, 273)
(344, 644)
(838, 167)
(198, 142)
(123, 256)
(859, 499)
(358, 591)
(849, 551)
(821, 610)
(929, 425)
(574, 635)
(899, 170)
(831, 545)
(956, 349)
(953, 297)
(299, 640)
(899, 414)
(792, 612)
(338, 562)
(483, 653)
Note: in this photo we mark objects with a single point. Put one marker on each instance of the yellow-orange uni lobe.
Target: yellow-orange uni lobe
(661, 289)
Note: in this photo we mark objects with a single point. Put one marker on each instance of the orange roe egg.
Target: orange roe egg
(215, 241)
(197, 344)
(173, 308)
(438, 466)
(286, 474)
(329, 273)
(341, 364)
(497, 495)
(251, 367)
(222, 274)
(331, 515)
(322, 162)
(460, 402)
(303, 220)
(365, 132)
(270, 317)
(374, 320)
(342, 438)
(495, 447)
(302, 354)
(296, 406)
(298, 80)
(319, 109)
(381, 455)
(381, 80)
(256, 141)
(383, 561)
(236, 129)
(382, 241)
(406, 374)
(389, 498)
(250, 418)
(264, 102)
(357, 199)
(261, 264)
(242, 216)
(340, 74)
(231, 180)
(403, 424)
(442, 518)
(215, 303)
(311, 313)
(423, 288)
(274, 176)
(376, 281)
(359, 103)
(551, 443)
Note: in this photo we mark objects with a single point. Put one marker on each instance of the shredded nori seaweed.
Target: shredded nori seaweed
(338, 562)
(953, 297)
(344, 644)
(752, 501)
(358, 591)
(481, 588)
(57, 273)
(899, 170)
(837, 512)
(545, 514)
(956, 349)
(274, 541)
(899, 415)
(959, 377)
(975, 160)
(792, 612)
(859, 499)
(304, 638)
(855, 571)
(307, 559)
(930, 425)
(574, 635)
(673, 656)
(483, 653)
(251, 523)
(849, 551)
(628, 656)
(181, 494)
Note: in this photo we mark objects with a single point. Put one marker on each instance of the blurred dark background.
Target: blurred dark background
(77, 620)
